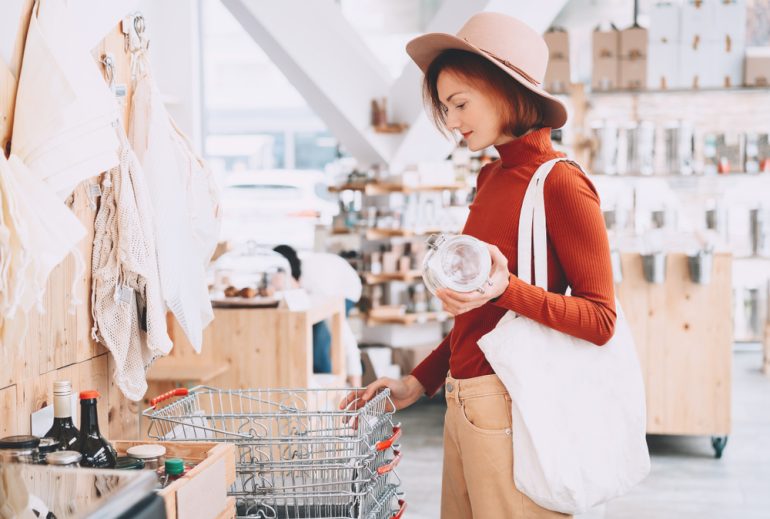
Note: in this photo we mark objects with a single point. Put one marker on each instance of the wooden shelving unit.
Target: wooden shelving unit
(380, 188)
(408, 319)
(373, 279)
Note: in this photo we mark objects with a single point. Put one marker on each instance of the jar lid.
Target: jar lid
(174, 466)
(48, 445)
(63, 458)
(146, 451)
(89, 394)
(19, 442)
(128, 463)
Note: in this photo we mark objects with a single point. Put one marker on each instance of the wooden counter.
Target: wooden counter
(684, 336)
(254, 348)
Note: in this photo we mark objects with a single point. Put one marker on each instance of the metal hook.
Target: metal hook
(108, 60)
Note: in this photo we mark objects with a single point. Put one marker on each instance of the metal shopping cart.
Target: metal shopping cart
(299, 455)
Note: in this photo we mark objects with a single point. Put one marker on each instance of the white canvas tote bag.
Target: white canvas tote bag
(578, 409)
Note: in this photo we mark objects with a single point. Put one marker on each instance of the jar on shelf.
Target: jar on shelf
(64, 459)
(19, 449)
(152, 454)
(461, 263)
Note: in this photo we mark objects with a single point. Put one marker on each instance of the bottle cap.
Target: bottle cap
(63, 458)
(89, 394)
(147, 451)
(62, 387)
(174, 466)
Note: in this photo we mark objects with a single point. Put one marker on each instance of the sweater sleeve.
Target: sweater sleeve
(579, 239)
(432, 371)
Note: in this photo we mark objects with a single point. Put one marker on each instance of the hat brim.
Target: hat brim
(424, 49)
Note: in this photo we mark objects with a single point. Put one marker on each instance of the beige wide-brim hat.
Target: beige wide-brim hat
(505, 41)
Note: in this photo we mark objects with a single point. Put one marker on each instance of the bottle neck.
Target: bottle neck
(62, 406)
(89, 420)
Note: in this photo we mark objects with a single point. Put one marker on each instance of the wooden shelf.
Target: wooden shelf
(379, 234)
(199, 373)
(685, 91)
(409, 319)
(374, 279)
(377, 188)
(695, 176)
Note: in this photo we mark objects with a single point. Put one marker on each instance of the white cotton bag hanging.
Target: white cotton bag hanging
(64, 113)
(185, 205)
(578, 409)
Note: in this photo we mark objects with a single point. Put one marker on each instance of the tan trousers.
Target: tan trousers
(478, 455)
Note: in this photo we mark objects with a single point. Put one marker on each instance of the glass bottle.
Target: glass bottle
(63, 429)
(96, 451)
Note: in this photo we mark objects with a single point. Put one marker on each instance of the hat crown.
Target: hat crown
(508, 40)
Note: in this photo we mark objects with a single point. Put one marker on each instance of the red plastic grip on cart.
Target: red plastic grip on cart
(390, 465)
(387, 444)
(180, 391)
(401, 510)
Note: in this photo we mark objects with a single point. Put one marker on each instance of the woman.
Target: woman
(485, 83)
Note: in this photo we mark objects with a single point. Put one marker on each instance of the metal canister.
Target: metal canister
(700, 266)
(679, 139)
(604, 158)
(19, 449)
(639, 154)
(654, 267)
(64, 459)
(758, 225)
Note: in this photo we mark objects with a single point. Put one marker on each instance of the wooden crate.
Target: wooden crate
(202, 492)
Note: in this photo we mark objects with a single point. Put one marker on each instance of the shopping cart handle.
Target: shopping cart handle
(390, 465)
(401, 510)
(386, 444)
(180, 391)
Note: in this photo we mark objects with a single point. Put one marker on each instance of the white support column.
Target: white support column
(326, 61)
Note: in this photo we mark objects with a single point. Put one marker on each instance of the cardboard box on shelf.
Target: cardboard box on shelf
(730, 20)
(558, 44)
(698, 67)
(408, 357)
(604, 74)
(633, 74)
(633, 43)
(728, 61)
(663, 66)
(557, 76)
(664, 22)
(697, 21)
(757, 66)
(605, 44)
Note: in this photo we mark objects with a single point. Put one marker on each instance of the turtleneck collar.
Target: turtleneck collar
(523, 149)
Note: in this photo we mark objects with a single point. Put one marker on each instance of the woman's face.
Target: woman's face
(470, 111)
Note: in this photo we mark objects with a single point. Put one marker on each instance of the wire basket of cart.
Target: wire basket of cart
(299, 454)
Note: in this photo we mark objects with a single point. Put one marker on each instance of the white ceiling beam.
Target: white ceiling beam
(328, 63)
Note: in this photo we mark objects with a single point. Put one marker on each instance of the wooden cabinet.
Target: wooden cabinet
(683, 333)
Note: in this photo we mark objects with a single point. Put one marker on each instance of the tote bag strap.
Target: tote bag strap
(532, 227)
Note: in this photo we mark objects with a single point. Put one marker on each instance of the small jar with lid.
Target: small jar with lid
(173, 469)
(64, 459)
(19, 449)
(46, 447)
(461, 263)
(152, 454)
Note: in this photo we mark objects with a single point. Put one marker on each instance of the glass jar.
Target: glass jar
(153, 455)
(64, 458)
(461, 263)
(19, 449)
(46, 447)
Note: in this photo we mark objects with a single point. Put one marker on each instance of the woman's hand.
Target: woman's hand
(457, 303)
(403, 392)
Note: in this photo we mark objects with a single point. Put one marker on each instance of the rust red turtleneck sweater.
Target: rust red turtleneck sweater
(578, 257)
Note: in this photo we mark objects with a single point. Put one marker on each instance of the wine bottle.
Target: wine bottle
(96, 451)
(63, 429)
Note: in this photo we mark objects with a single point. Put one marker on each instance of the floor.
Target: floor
(686, 481)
